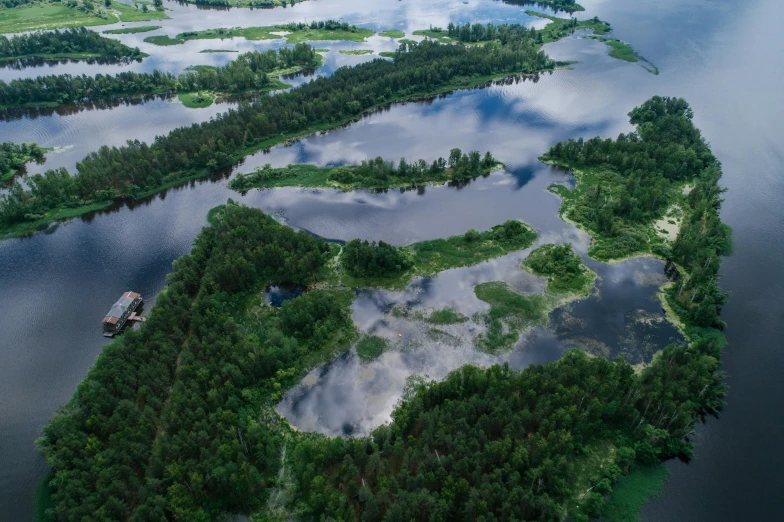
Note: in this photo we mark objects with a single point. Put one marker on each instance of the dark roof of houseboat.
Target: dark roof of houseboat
(120, 307)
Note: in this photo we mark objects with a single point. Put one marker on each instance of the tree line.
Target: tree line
(377, 173)
(76, 40)
(368, 259)
(137, 168)
(249, 71)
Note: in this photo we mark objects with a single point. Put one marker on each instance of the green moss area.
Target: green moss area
(129, 13)
(445, 316)
(275, 32)
(44, 16)
(392, 33)
(371, 347)
(356, 52)
(371, 267)
(163, 40)
(195, 100)
(387, 54)
(133, 30)
(563, 268)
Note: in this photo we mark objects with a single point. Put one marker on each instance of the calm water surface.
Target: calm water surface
(720, 55)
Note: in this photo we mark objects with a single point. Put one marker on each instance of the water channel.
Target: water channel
(719, 55)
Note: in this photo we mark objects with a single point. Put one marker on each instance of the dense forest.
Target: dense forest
(67, 42)
(13, 156)
(370, 174)
(248, 72)
(425, 68)
(624, 185)
(368, 259)
(166, 425)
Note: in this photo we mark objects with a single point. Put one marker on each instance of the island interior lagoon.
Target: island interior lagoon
(390, 260)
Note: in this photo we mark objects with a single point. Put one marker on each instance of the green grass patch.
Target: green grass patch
(445, 316)
(164, 40)
(564, 270)
(133, 30)
(275, 32)
(509, 314)
(45, 16)
(407, 41)
(632, 491)
(387, 54)
(371, 347)
(434, 34)
(356, 51)
(200, 68)
(196, 100)
(218, 51)
(392, 33)
(129, 13)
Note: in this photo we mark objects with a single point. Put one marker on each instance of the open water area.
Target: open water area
(723, 57)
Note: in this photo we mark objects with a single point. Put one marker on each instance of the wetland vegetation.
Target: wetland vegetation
(133, 30)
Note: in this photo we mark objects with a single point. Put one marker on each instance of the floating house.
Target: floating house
(121, 311)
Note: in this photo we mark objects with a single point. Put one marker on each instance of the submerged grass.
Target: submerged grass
(371, 347)
(509, 314)
(445, 316)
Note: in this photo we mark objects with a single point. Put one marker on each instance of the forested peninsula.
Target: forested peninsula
(371, 174)
(74, 44)
(417, 70)
(176, 420)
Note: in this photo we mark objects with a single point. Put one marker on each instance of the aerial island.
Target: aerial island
(177, 420)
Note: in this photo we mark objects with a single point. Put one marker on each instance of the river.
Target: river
(721, 56)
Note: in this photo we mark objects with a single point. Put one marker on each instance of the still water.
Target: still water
(720, 55)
